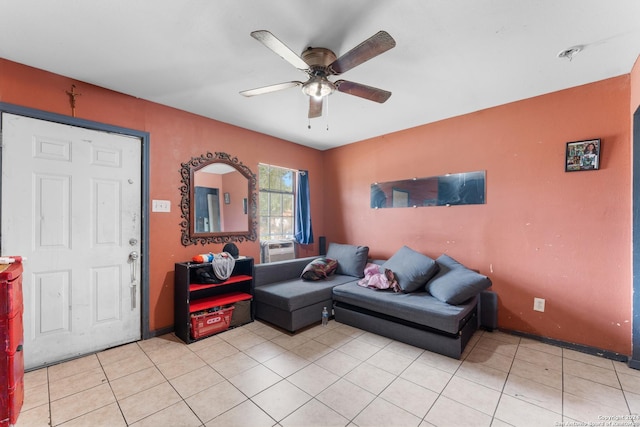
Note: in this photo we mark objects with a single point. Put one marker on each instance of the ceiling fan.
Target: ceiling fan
(319, 63)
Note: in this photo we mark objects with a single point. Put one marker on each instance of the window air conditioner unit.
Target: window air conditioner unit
(278, 250)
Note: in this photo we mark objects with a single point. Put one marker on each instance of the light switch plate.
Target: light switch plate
(161, 206)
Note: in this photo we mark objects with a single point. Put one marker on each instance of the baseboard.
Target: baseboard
(159, 332)
(577, 347)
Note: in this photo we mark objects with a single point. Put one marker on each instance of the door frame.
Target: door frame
(145, 178)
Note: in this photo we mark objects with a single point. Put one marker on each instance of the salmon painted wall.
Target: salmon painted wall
(175, 137)
(545, 233)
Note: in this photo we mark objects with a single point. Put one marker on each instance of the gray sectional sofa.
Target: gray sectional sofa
(440, 305)
(282, 298)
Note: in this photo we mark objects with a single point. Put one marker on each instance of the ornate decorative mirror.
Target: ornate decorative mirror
(219, 200)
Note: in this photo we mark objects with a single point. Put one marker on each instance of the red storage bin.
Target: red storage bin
(11, 340)
(12, 398)
(11, 280)
(210, 323)
(16, 368)
(12, 331)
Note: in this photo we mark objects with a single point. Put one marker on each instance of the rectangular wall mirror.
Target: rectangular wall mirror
(445, 190)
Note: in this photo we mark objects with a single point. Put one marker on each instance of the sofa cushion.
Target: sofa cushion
(351, 259)
(290, 295)
(455, 283)
(319, 268)
(412, 269)
(274, 272)
(416, 307)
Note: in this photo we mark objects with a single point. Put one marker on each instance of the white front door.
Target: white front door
(71, 204)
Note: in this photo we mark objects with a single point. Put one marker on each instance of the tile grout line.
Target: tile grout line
(49, 398)
(495, 410)
(111, 388)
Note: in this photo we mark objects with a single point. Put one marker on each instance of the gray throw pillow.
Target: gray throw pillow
(412, 269)
(351, 259)
(455, 283)
(319, 268)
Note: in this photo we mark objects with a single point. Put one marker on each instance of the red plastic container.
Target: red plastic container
(11, 281)
(11, 340)
(206, 324)
(13, 396)
(12, 331)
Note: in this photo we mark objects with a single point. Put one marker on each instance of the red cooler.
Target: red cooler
(11, 340)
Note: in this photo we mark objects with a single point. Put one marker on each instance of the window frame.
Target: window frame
(278, 192)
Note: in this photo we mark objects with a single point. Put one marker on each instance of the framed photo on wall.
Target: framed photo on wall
(582, 155)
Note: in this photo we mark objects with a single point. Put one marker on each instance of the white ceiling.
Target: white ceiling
(452, 56)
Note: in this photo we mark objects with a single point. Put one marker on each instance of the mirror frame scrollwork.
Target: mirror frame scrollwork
(187, 190)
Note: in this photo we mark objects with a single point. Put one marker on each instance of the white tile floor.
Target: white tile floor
(337, 375)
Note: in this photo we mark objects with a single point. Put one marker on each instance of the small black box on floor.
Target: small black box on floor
(241, 313)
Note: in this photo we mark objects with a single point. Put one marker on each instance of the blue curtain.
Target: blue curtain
(303, 229)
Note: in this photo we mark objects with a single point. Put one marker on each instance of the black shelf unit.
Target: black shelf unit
(191, 297)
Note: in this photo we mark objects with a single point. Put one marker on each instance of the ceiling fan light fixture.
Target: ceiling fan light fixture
(318, 87)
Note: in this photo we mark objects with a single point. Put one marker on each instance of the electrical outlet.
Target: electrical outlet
(538, 304)
(161, 206)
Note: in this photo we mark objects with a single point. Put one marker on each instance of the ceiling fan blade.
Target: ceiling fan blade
(268, 89)
(272, 42)
(363, 91)
(315, 107)
(370, 48)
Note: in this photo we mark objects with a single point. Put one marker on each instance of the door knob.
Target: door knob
(133, 256)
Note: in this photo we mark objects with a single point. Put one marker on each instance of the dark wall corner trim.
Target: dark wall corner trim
(634, 363)
(572, 346)
(159, 332)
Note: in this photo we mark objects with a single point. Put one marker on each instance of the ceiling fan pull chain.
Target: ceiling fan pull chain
(326, 101)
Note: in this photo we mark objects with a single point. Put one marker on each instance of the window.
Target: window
(276, 188)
